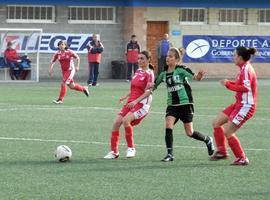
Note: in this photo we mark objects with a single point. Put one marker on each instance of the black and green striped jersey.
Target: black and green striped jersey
(179, 90)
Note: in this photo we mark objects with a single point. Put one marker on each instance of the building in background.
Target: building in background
(115, 21)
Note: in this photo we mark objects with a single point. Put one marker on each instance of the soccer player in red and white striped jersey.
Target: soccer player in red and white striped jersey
(234, 116)
(66, 57)
(138, 103)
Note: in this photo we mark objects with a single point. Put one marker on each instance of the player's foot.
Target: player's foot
(210, 146)
(95, 84)
(168, 158)
(86, 91)
(240, 161)
(131, 152)
(219, 156)
(111, 155)
(58, 101)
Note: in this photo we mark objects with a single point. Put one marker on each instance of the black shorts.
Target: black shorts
(182, 112)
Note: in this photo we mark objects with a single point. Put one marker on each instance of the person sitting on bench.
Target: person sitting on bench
(12, 61)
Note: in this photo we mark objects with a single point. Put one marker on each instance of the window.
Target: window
(232, 16)
(192, 15)
(264, 16)
(91, 15)
(30, 14)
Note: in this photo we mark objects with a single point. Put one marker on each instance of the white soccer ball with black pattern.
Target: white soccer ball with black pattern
(63, 153)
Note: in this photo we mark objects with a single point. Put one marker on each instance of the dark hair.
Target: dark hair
(245, 52)
(62, 42)
(133, 36)
(148, 56)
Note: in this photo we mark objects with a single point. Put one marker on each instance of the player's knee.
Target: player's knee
(215, 123)
(189, 133)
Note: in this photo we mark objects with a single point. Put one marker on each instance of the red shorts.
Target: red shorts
(68, 76)
(139, 110)
(239, 113)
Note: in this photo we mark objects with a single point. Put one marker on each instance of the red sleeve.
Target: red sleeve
(233, 87)
(73, 54)
(54, 58)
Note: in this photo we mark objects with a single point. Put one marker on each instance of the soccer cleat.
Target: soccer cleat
(95, 84)
(240, 161)
(219, 156)
(168, 158)
(58, 101)
(210, 146)
(111, 155)
(131, 152)
(86, 91)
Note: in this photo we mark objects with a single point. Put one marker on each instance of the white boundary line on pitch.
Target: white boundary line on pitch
(40, 107)
(104, 143)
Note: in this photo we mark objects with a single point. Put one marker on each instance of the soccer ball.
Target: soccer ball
(63, 153)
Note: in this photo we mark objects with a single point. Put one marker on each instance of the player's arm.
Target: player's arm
(158, 80)
(75, 55)
(231, 85)
(54, 58)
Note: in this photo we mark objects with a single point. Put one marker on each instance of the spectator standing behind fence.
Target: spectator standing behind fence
(12, 60)
(95, 48)
(132, 52)
(162, 49)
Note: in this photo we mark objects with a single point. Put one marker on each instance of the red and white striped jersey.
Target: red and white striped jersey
(65, 58)
(140, 82)
(246, 78)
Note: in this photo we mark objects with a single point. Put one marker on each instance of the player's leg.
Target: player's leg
(115, 137)
(129, 71)
(169, 123)
(219, 135)
(74, 86)
(96, 73)
(199, 136)
(129, 134)
(62, 93)
(90, 76)
(237, 118)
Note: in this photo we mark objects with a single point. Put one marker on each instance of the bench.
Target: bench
(25, 64)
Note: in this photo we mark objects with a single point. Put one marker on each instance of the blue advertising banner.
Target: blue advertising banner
(213, 48)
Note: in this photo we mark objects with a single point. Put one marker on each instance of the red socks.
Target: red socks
(116, 136)
(236, 147)
(78, 87)
(220, 140)
(129, 136)
(115, 141)
(63, 92)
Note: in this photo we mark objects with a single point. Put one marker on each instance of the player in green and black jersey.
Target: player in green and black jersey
(180, 101)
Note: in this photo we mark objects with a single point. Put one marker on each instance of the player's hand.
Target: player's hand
(77, 68)
(223, 82)
(200, 75)
(131, 104)
(121, 99)
(50, 72)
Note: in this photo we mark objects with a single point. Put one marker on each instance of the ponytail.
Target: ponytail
(245, 52)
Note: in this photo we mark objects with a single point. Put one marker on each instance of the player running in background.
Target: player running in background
(65, 57)
(137, 106)
(180, 101)
(235, 115)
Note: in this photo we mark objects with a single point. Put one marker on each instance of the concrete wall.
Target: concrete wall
(132, 20)
(111, 36)
(212, 28)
